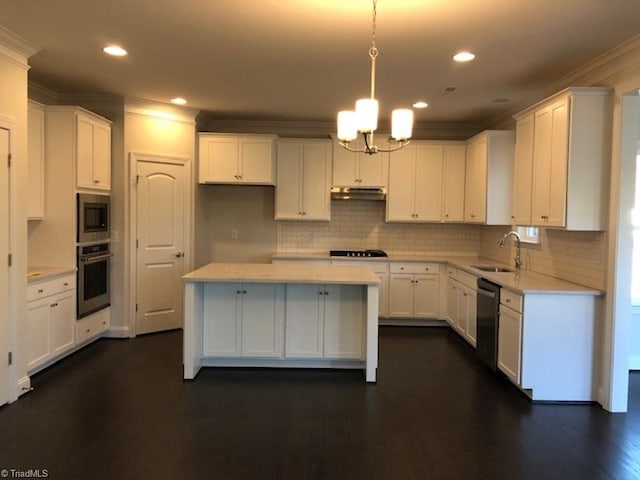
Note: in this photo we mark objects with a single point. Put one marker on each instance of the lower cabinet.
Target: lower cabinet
(324, 321)
(381, 269)
(461, 303)
(243, 320)
(510, 342)
(414, 290)
(93, 326)
(50, 319)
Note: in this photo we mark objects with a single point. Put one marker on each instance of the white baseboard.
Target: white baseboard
(24, 385)
(117, 332)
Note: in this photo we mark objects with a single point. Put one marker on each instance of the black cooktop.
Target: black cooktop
(357, 253)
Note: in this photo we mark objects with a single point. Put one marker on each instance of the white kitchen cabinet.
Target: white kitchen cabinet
(414, 290)
(357, 169)
(36, 163)
(569, 151)
(453, 173)
(92, 327)
(93, 152)
(50, 319)
(510, 336)
(324, 321)
(236, 159)
(489, 178)
(303, 180)
(461, 303)
(243, 320)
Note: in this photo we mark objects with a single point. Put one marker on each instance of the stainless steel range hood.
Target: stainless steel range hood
(358, 193)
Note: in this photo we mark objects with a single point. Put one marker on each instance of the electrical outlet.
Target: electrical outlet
(234, 234)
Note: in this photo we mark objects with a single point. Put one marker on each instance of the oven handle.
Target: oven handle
(99, 258)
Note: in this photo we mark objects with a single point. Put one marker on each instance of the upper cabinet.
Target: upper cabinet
(303, 189)
(36, 171)
(357, 169)
(93, 150)
(488, 178)
(83, 137)
(426, 183)
(243, 159)
(563, 146)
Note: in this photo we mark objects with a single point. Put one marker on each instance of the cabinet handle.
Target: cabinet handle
(426, 269)
(88, 330)
(238, 292)
(320, 293)
(54, 305)
(244, 292)
(240, 177)
(96, 181)
(508, 300)
(104, 322)
(326, 293)
(446, 215)
(472, 216)
(65, 284)
(464, 294)
(40, 290)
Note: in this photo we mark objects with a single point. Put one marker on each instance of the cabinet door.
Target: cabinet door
(62, 319)
(84, 152)
(510, 343)
(343, 321)
(316, 188)
(461, 303)
(373, 170)
(345, 169)
(101, 156)
(475, 194)
(383, 295)
(304, 313)
(428, 183)
(262, 320)
(218, 159)
(523, 171)
(426, 296)
(289, 182)
(402, 184)
(38, 333)
(453, 165)
(256, 161)
(471, 313)
(221, 317)
(401, 296)
(35, 169)
(452, 302)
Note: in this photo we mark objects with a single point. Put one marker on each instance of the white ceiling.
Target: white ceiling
(306, 59)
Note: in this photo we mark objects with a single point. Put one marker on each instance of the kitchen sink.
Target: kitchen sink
(492, 268)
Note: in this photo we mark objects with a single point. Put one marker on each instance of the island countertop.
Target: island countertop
(283, 273)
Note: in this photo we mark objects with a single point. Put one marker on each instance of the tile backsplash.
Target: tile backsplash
(361, 225)
(578, 257)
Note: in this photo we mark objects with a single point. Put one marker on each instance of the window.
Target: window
(528, 234)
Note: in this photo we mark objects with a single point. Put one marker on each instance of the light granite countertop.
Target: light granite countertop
(303, 273)
(519, 282)
(36, 273)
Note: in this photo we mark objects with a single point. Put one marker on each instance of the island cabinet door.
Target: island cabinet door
(222, 328)
(344, 321)
(262, 320)
(304, 313)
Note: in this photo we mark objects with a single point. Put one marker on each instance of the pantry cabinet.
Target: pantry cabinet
(243, 320)
(93, 152)
(36, 162)
(461, 303)
(50, 319)
(357, 169)
(414, 290)
(324, 321)
(303, 180)
(237, 159)
(489, 178)
(565, 142)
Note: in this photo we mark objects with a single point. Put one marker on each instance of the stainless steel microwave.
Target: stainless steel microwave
(93, 218)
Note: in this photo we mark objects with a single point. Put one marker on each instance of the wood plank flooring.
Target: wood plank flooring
(119, 410)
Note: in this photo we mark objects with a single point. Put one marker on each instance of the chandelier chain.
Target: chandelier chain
(373, 51)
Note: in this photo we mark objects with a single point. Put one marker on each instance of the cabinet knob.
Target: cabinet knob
(238, 292)
(319, 293)
(326, 293)
(179, 254)
(446, 215)
(472, 216)
(508, 300)
(426, 269)
(88, 330)
(66, 284)
(96, 181)
(244, 292)
(54, 305)
(240, 177)
(40, 290)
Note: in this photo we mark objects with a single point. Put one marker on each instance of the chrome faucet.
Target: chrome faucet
(516, 235)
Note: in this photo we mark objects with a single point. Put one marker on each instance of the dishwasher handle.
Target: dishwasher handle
(486, 293)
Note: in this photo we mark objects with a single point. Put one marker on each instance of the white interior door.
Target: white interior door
(4, 270)
(160, 219)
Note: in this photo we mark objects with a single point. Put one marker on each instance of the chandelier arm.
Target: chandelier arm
(401, 144)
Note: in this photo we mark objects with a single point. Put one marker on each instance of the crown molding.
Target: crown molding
(42, 94)
(15, 48)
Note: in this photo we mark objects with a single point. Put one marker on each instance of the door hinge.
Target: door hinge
(9, 259)
(137, 179)
(10, 358)
(9, 160)
(136, 243)
(136, 307)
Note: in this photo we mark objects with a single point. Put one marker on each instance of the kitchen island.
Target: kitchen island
(281, 315)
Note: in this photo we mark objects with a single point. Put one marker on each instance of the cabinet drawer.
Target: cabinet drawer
(415, 268)
(46, 288)
(93, 325)
(452, 272)
(467, 279)
(377, 267)
(511, 300)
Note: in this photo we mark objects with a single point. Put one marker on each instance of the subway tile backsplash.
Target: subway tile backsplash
(577, 257)
(361, 225)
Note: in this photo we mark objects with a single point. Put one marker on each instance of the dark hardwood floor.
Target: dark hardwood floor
(119, 410)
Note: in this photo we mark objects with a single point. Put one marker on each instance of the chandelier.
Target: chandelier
(364, 119)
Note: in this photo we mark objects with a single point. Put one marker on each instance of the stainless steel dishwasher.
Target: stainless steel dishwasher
(487, 326)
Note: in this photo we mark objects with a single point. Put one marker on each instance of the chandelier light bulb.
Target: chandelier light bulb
(347, 128)
(367, 115)
(401, 123)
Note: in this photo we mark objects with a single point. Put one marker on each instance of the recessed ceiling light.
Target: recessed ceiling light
(179, 101)
(464, 57)
(420, 105)
(114, 50)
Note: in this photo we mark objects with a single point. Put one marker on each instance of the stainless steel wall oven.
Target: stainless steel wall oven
(93, 278)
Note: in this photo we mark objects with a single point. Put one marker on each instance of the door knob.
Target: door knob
(180, 254)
